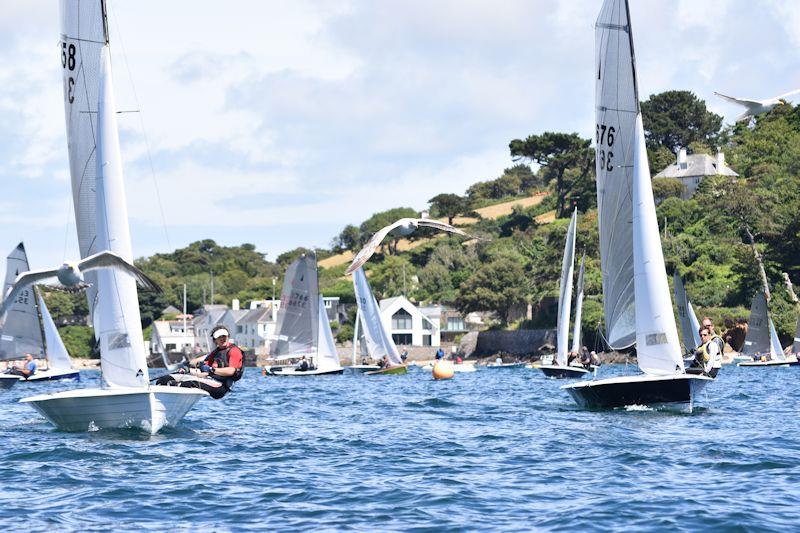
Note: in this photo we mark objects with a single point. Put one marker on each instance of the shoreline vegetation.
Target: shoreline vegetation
(521, 217)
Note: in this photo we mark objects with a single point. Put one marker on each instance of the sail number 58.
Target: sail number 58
(604, 138)
(68, 63)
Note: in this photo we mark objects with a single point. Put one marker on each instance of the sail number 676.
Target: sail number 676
(604, 137)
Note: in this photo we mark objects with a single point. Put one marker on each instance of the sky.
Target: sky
(277, 123)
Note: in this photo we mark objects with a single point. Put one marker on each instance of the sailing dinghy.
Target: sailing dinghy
(303, 328)
(379, 342)
(360, 342)
(690, 326)
(126, 399)
(561, 369)
(30, 328)
(762, 340)
(637, 305)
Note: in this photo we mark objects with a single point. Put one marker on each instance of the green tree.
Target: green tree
(348, 239)
(664, 188)
(79, 340)
(448, 205)
(498, 286)
(390, 277)
(674, 119)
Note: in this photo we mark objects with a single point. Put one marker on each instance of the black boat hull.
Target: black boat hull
(564, 372)
(674, 392)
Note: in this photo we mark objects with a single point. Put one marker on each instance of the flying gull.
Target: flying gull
(757, 107)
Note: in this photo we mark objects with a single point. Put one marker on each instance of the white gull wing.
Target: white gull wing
(745, 102)
(565, 292)
(21, 284)
(441, 226)
(108, 259)
(366, 252)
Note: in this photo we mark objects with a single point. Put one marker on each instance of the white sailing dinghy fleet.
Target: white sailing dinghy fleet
(302, 328)
(126, 400)
(637, 303)
(29, 328)
(561, 369)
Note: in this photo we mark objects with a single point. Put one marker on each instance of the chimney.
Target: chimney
(235, 304)
(682, 164)
(720, 161)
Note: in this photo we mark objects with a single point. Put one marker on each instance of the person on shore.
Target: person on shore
(214, 373)
(28, 368)
(440, 353)
(404, 356)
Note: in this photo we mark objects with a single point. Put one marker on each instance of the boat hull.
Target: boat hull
(563, 372)
(399, 369)
(7, 381)
(676, 392)
(293, 372)
(360, 369)
(769, 363)
(52, 375)
(147, 410)
(506, 366)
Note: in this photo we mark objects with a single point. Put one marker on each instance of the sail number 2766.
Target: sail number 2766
(604, 138)
(68, 62)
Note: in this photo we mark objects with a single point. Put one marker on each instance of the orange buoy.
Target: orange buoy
(443, 369)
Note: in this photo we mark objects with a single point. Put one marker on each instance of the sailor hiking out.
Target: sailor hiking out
(214, 373)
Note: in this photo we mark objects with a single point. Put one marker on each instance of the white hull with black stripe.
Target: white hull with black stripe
(672, 392)
(564, 372)
(768, 363)
(294, 372)
(53, 374)
(360, 369)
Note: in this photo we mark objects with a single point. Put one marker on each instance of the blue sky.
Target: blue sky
(279, 122)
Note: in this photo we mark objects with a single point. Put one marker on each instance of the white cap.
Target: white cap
(221, 332)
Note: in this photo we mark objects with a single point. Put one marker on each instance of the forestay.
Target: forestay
(690, 327)
(576, 329)
(617, 105)
(57, 355)
(757, 340)
(297, 328)
(565, 292)
(379, 342)
(118, 325)
(21, 332)
(83, 36)
(326, 358)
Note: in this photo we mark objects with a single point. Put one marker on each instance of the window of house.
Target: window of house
(401, 338)
(239, 329)
(426, 325)
(426, 340)
(401, 320)
(455, 323)
(328, 304)
(169, 347)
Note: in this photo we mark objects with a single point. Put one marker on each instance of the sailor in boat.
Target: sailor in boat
(214, 373)
(385, 363)
(708, 357)
(404, 355)
(586, 357)
(27, 370)
(709, 324)
(303, 364)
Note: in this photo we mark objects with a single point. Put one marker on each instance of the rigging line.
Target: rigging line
(144, 131)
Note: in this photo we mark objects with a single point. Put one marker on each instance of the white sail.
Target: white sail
(565, 292)
(796, 344)
(297, 328)
(617, 105)
(21, 333)
(379, 342)
(658, 351)
(326, 358)
(757, 340)
(690, 327)
(57, 355)
(775, 348)
(576, 328)
(117, 321)
(83, 36)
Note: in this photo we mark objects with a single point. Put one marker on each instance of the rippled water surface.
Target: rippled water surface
(494, 449)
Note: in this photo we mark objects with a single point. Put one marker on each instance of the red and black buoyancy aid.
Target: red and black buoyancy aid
(218, 358)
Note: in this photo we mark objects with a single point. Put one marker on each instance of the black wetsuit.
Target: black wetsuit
(219, 358)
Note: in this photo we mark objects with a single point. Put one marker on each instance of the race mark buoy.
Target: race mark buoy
(443, 369)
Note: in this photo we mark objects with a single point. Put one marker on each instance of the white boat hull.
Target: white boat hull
(769, 363)
(673, 392)
(147, 410)
(564, 372)
(507, 365)
(360, 369)
(7, 381)
(290, 371)
(53, 374)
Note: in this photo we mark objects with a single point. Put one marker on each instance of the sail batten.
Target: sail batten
(565, 292)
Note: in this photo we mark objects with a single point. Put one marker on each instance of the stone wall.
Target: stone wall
(525, 342)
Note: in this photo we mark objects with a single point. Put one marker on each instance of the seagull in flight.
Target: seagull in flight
(403, 227)
(70, 275)
(757, 107)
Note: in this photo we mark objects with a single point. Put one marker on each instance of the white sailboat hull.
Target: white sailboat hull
(53, 374)
(147, 410)
(673, 392)
(360, 369)
(769, 363)
(294, 372)
(564, 372)
(7, 381)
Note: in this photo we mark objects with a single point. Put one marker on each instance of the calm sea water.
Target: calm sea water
(495, 449)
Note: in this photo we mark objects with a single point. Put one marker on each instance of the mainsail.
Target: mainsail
(617, 106)
(297, 328)
(576, 331)
(21, 332)
(379, 342)
(326, 357)
(757, 340)
(83, 37)
(565, 292)
(690, 327)
(57, 355)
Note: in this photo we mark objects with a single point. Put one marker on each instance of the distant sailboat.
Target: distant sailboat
(126, 399)
(762, 339)
(303, 329)
(690, 326)
(561, 369)
(636, 295)
(30, 328)
(360, 348)
(379, 342)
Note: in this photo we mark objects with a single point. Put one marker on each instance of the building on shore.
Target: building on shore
(690, 170)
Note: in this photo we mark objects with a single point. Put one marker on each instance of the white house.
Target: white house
(691, 169)
(254, 328)
(204, 322)
(407, 324)
(170, 336)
